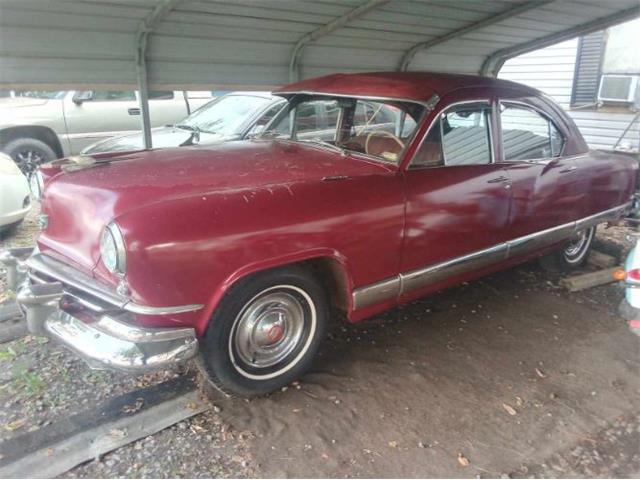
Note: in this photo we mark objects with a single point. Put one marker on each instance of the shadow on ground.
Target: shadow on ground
(486, 379)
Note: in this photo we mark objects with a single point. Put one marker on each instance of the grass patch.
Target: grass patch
(30, 383)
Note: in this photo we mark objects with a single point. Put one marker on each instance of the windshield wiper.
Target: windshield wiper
(194, 138)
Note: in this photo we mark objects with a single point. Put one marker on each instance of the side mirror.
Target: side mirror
(82, 96)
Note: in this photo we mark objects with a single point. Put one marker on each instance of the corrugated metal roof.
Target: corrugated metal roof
(249, 43)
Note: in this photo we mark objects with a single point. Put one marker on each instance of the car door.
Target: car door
(97, 115)
(544, 183)
(457, 199)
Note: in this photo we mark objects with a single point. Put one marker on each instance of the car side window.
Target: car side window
(527, 135)
(113, 96)
(161, 95)
(459, 136)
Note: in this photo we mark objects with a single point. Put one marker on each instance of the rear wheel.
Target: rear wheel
(29, 153)
(265, 333)
(574, 253)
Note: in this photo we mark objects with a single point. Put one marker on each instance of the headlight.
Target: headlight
(112, 249)
(36, 184)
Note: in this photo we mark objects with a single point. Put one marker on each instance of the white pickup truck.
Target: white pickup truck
(37, 127)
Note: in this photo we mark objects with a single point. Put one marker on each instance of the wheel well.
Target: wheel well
(329, 272)
(44, 134)
(333, 277)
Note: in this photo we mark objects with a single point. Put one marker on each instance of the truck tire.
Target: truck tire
(573, 254)
(264, 333)
(29, 153)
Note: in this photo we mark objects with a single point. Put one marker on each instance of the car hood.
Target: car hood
(79, 204)
(163, 137)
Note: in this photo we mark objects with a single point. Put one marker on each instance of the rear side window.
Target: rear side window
(113, 96)
(460, 136)
(161, 95)
(527, 135)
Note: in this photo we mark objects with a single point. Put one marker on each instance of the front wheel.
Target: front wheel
(574, 253)
(29, 153)
(265, 333)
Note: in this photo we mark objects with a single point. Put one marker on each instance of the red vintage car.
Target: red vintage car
(368, 191)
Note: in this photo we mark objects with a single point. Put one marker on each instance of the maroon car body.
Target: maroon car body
(196, 220)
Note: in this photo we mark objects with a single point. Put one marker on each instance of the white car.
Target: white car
(15, 199)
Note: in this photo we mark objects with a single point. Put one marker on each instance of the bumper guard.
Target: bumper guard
(101, 337)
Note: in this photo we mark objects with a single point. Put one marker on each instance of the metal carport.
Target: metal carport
(240, 44)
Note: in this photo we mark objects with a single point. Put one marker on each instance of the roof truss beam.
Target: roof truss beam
(494, 62)
(410, 54)
(145, 27)
(296, 54)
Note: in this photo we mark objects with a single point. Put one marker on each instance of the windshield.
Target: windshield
(380, 129)
(49, 95)
(225, 116)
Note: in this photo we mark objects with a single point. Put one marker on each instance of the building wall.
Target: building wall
(551, 70)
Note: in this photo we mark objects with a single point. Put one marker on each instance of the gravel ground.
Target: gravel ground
(40, 381)
(201, 447)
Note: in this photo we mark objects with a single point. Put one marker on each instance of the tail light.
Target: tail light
(634, 275)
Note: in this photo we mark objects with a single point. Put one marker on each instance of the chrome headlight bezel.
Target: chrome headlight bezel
(36, 185)
(112, 249)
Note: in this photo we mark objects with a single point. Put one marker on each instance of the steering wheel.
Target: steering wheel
(381, 133)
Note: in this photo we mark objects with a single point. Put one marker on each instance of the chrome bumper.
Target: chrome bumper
(97, 332)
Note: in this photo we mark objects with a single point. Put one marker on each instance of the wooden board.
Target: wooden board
(601, 260)
(588, 280)
(70, 441)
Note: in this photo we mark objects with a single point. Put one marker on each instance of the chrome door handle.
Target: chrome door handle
(569, 170)
(498, 179)
(133, 111)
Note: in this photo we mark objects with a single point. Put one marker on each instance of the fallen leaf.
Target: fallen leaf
(135, 407)
(50, 452)
(15, 425)
(510, 410)
(117, 433)
(462, 460)
(540, 373)
(393, 444)
(519, 401)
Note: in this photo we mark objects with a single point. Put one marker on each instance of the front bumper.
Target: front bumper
(101, 332)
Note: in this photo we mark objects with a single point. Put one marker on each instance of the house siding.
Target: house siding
(551, 70)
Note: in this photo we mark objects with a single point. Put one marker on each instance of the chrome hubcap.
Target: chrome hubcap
(269, 329)
(577, 243)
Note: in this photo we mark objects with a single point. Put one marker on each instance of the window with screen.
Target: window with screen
(460, 136)
(527, 135)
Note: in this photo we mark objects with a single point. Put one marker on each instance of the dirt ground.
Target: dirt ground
(508, 376)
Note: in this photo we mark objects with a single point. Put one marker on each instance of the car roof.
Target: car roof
(259, 94)
(409, 86)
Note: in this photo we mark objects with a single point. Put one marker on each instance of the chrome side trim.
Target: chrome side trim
(428, 276)
(528, 243)
(606, 216)
(376, 292)
(422, 277)
(69, 276)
